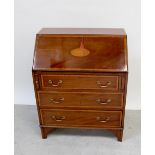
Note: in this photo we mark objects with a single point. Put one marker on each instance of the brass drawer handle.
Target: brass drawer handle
(100, 83)
(103, 120)
(59, 118)
(100, 101)
(52, 100)
(55, 85)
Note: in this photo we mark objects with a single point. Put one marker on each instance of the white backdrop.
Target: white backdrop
(32, 15)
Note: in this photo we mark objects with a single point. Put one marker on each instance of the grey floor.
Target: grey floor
(73, 141)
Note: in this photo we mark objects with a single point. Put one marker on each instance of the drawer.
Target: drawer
(59, 99)
(83, 118)
(79, 82)
(102, 100)
(76, 99)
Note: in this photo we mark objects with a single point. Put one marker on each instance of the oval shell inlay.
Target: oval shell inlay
(80, 52)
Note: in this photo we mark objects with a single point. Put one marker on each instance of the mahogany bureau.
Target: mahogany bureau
(80, 78)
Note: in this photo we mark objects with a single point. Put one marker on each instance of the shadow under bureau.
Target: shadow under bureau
(80, 78)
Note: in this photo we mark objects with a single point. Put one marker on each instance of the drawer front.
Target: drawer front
(81, 118)
(103, 100)
(59, 99)
(75, 99)
(79, 82)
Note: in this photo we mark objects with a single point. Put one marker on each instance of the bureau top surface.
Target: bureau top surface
(86, 49)
(88, 31)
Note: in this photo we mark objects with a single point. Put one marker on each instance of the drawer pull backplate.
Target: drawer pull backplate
(103, 120)
(56, 101)
(102, 84)
(56, 84)
(58, 118)
(100, 101)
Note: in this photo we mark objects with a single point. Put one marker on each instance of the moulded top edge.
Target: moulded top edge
(82, 31)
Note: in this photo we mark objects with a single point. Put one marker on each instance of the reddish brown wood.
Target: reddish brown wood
(81, 92)
(107, 51)
(45, 131)
(118, 133)
(82, 31)
(79, 82)
(81, 118)
(88, 100)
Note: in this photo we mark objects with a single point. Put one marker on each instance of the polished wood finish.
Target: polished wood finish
(76, 99)
(107, 51)
(79, 82)
(85, 90)
(82, 31)
(76, 118)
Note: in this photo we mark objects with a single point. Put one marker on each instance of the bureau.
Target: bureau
(80, 78)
